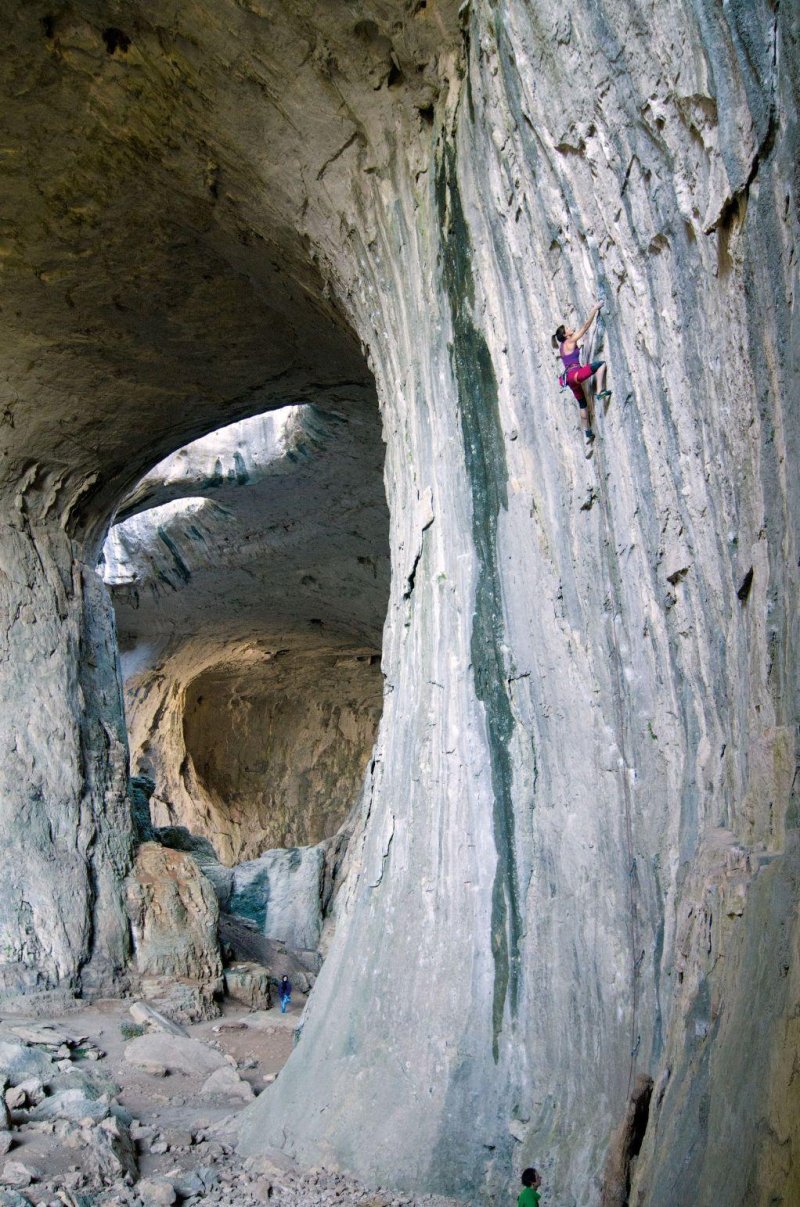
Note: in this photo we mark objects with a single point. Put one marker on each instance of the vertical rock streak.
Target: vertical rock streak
(487, 473)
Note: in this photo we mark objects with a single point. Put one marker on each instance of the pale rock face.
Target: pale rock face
(174, 914)
(588, 738)
(282, 893)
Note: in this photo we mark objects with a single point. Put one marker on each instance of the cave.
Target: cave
(249, 573)
(552, 688)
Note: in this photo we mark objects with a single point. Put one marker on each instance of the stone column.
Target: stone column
(590, 666)
(63, 769)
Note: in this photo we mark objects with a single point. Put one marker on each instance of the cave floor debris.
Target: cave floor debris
(91, 1128)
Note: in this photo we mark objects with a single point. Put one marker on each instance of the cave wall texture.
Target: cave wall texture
(576, 861)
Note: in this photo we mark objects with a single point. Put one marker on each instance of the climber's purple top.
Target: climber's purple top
(570, 360)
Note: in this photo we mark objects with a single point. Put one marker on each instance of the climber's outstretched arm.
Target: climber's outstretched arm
(598, 306)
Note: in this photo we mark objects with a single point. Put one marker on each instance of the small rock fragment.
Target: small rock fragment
(156, 1192)
(228, 1082)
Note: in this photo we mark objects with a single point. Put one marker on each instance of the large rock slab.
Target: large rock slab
(249, 984)
(19, 1060)
(282, 893)
(174, 1053)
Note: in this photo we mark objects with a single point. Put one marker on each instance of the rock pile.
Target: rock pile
(66, 1140)
(53, 1103)
(226, 1182)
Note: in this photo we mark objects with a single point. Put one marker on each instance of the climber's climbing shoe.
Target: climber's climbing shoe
(589, 434)
(604, 394)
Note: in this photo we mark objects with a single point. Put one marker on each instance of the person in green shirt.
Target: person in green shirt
(529, 1195)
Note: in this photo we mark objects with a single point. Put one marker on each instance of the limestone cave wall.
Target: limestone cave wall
(575, 866)
(592, 667)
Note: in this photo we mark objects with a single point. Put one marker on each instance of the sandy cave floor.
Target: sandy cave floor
(179, 1133)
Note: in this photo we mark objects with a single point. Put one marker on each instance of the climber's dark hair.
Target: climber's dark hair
(529, 1175)
(560, 336)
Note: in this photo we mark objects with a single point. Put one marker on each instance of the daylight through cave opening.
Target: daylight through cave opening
(249, 576)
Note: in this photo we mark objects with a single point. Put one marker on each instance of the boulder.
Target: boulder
(174, 915)
(70, 1104)
(11, 1198)
(156, 1192)
(110, 1153)
(18, 1174)
(182, 1000)
(44, 1035)
(18, 1060)
(194, 1183)
(282, 893)
(179, 838)
(249, 983)
(142, 1012)
(175, 1054)
(226, 1081)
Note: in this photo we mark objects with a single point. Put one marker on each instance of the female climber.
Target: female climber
(566, 340)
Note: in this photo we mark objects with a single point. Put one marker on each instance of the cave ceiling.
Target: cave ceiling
(168, 169)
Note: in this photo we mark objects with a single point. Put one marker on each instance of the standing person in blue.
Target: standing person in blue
(529, 1195)
(285, 992)
(566, 340)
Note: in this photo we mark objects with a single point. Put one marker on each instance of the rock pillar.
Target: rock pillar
(591, 667)
(63, 769)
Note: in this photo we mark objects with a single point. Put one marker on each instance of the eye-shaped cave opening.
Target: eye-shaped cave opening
(249, 573)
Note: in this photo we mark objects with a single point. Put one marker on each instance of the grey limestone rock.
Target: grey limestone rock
(227, 1082)
(249, 984)
(19, 1060)
(141, 1012)
(174, 915)
(574, 856)
(282, 893)
(174, 1052)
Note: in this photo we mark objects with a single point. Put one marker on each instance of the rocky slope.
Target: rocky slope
(576, 865)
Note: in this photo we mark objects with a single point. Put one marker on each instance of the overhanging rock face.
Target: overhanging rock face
(576, 860)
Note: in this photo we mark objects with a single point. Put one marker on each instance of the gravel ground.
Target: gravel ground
(87, 1127)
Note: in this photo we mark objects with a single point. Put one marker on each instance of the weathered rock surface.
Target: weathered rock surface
(143, 1013)
(249, 984)
(255, 720)
(282, 893)
(591, 667)
(243, 940)
(229, 1084)
(174, 914)
(174, 1052)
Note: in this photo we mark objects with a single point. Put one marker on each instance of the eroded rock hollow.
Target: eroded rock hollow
(567, 930)
(249, 574)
